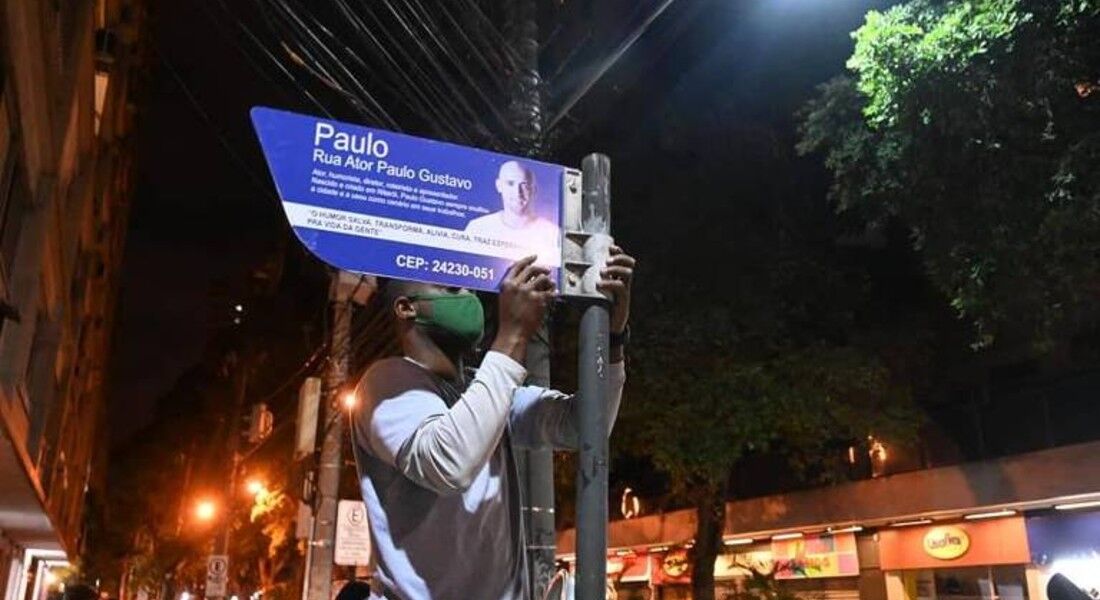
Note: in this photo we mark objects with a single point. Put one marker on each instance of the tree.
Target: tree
(149, 536)
(266, 551)
(699, 423)
(974, 123)
(749, 327)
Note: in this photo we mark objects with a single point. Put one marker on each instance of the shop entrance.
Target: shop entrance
(1003, 582)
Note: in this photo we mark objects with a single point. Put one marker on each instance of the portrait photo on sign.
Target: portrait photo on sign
(526, 217)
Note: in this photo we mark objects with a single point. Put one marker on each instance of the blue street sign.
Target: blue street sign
(373, 201)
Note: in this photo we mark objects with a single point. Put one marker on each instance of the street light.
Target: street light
(255, 487)
(205, 510)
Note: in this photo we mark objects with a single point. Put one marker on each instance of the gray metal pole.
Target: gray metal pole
(592, 412)
(328, 470)
(537, 469)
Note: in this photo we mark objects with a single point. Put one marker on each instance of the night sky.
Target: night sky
(204, 208)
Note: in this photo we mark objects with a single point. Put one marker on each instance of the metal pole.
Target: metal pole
(323, 538)
(536, 467)
(309, 561)
(221, 543)
(592, 396)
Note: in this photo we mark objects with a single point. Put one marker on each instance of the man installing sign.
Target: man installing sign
(434, 448)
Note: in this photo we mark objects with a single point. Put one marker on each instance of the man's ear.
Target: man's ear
(404, 308)
(500, 188)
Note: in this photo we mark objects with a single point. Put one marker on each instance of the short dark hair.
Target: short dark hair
(390, 290)
(354, 590)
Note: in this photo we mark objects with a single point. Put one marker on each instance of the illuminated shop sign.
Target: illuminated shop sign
(946, 543)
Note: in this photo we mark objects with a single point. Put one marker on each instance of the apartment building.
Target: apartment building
(69, 76)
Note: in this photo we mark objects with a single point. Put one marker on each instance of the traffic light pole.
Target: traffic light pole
(318, 584)
(592, 394)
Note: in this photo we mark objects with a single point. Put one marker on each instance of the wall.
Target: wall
(1025, 481)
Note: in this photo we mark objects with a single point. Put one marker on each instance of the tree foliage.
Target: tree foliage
(699, 407)
(975, 124)
(797, 402)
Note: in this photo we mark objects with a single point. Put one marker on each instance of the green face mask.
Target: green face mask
(459, 317)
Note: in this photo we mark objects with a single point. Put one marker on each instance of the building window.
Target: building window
(972, 583)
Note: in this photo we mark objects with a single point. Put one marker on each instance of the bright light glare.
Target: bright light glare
(738, 542)
(1077, 505)
(1083, 571)
(990, 515)
(911, 523)
(185, 596)
(350, 400)
(238, 308)
(205, 510)
(787, 536)
(255, 487)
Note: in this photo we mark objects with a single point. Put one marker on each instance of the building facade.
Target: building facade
(998, 529)
(68, 79)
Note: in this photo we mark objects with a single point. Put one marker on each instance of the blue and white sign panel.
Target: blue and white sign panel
(383, 203)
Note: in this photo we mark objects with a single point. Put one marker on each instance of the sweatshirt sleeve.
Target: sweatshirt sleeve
(542, 418)
(442, 448)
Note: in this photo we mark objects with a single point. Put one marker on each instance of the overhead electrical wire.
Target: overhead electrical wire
(205, 116)
(426, 62)
(482, 58)
(403, 85)
(459, 98)
(336, 63)
(606, 65)
(439, 109)
(505, 48)
(271, 57)
(298, 374)
(429, 25)
(309, 46)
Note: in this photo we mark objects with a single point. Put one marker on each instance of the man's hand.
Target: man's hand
(615, 278)
(525, 293)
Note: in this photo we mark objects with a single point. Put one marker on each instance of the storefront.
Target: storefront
(966, 560)
(1066, 544)
(672, 574)
(630, 574)
(822, 567)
